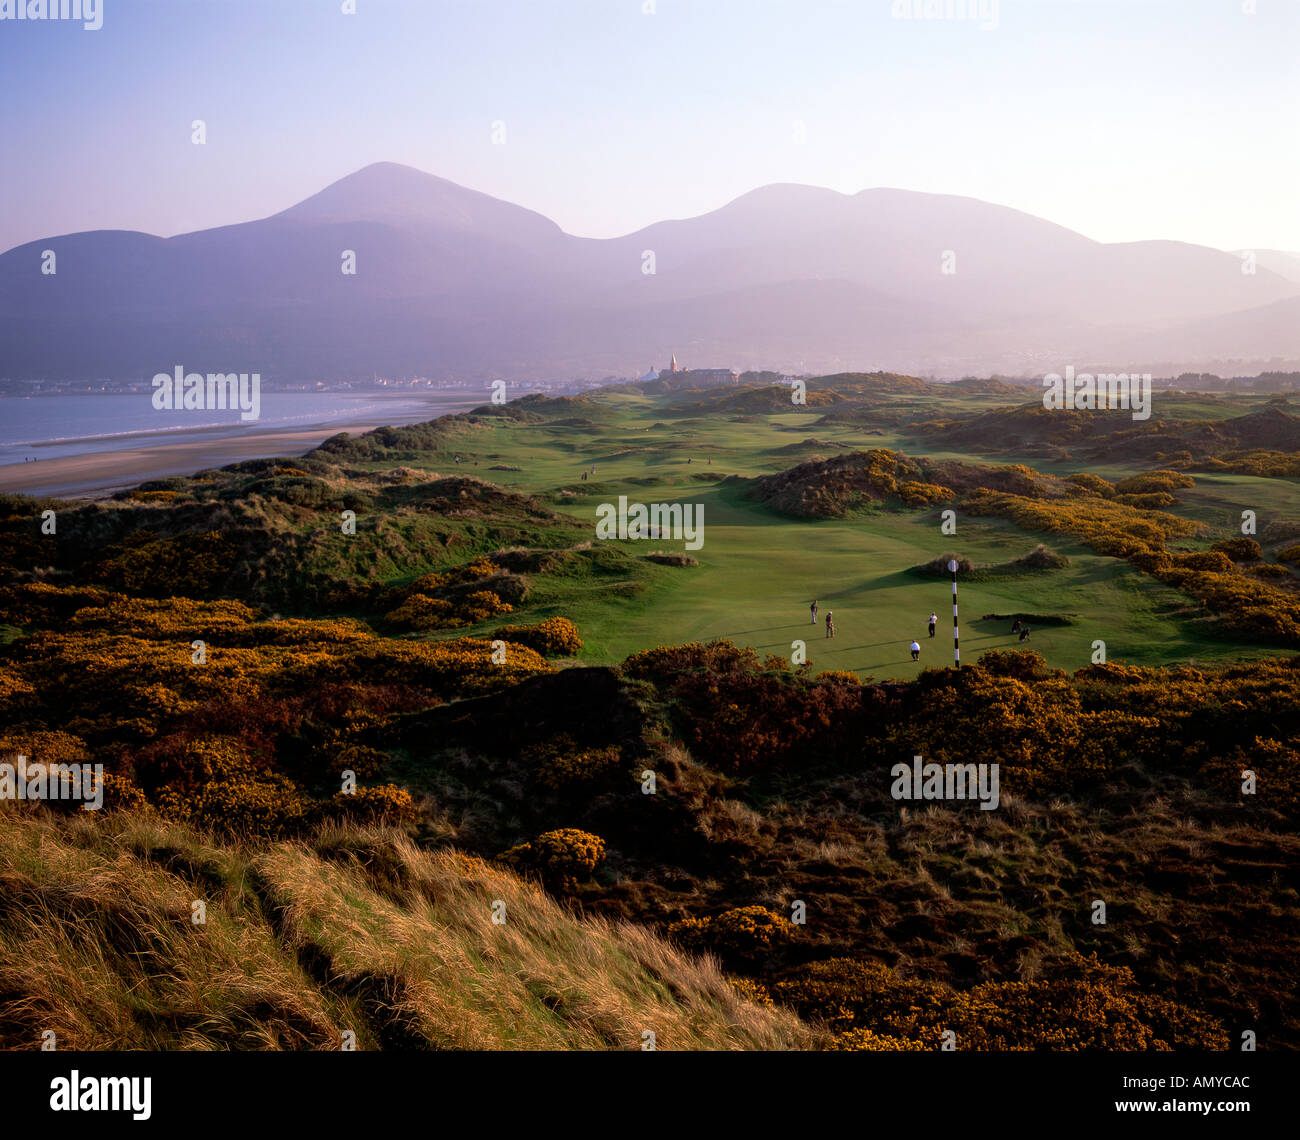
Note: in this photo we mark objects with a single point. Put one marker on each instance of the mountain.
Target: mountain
(1275, 261)
(452, 282)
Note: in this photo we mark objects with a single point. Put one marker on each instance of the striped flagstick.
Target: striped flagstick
(956, 645)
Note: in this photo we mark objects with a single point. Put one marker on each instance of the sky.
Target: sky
(1122, 119)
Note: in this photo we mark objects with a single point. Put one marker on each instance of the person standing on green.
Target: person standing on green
(813, 607)
(830, 623)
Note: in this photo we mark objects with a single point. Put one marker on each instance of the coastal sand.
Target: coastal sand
(101, 473)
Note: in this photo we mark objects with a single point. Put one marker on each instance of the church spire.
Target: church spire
(673, 366)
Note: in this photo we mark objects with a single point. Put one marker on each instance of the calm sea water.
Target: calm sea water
(51, 426)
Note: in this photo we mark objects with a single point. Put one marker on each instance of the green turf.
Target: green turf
(758, 570)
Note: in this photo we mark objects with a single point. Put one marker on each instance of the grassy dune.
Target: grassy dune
(358, 931)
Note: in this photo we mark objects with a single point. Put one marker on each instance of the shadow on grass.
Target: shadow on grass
(771, 628)
(887, 582)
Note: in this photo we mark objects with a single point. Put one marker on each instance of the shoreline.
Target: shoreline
(99, 474)
(182, 432)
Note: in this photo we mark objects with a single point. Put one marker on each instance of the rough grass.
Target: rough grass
(357, 930)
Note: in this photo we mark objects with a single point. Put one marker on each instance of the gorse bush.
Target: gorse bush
(121, 794)
(448, 599)
(206, 760)
(744, 713)
(831, 488)
(1092, 483)
(554, 637)
(839, 677)
(1157, 482)
(1242, 604)
(385, 804)
(1150, 501)
(747, 933)
(242, 805)
(1051, 733)
(1240, 549)
(561, 763)
(43, 746)
(1276, 767)
(1213, 561)
(421, 612)
(1264, 464)
(218, 744)
(752, 991)
(124, 684)
(864, 1040)
(215, 784)
(916, 494)
(1087, 1005)
(1107, 526)
(884, 468)
(481, 605)
(188, 565)
(473, 571)
(665, 662)
(560, 858)
(1034, 727)
(359, 759)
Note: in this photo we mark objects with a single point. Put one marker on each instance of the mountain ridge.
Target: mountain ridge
(453, 282)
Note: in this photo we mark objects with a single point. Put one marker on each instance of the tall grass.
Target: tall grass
(357, 931)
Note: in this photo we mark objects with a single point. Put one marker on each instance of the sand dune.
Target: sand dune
(99, 474)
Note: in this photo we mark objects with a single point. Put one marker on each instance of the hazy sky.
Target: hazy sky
(1123, 119)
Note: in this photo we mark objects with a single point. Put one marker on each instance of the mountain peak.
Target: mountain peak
(389, 192)
(459, 283)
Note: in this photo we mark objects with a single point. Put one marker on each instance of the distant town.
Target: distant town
(671, 377)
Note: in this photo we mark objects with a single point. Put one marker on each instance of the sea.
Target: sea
(46, 427)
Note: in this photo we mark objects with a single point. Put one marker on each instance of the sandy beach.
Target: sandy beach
(99, 474)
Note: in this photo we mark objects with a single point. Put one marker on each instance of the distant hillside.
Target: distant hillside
(1281, 262)
(1115, 434)
(977, 387)
(270, 525)
(866, 383)
(452, 282)
(832, 488)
